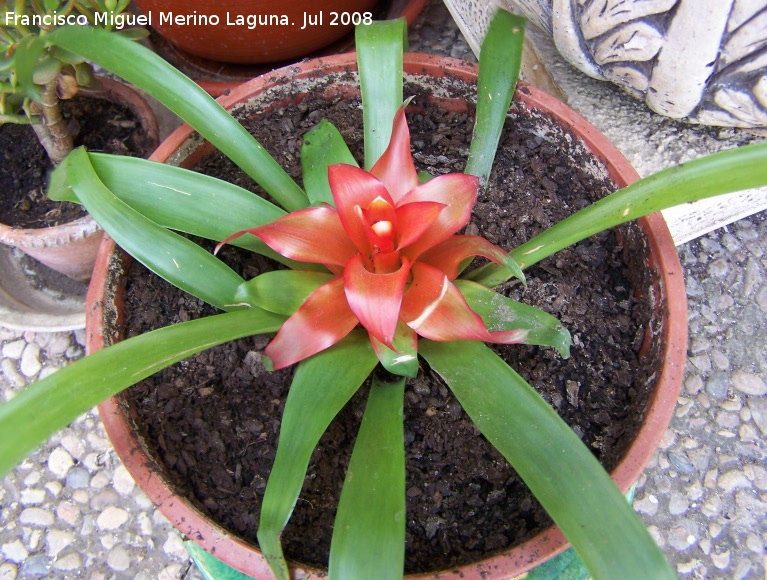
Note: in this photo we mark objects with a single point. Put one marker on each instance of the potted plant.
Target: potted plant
(35, 79)
(382, 219)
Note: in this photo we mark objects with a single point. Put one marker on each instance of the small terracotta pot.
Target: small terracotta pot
(71, 248)
(669, 331)
(218, 77)
(279, 30)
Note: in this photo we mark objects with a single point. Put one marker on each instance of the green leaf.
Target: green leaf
(379, 58)
(723, 172)
(569, 482)
(281, 291)
(499, 62)
(46, 70)
(501, 313)
(135, 33)
(369, 529)
(52, 403)
(321, 387)
(176, 259)
(141, 67)
(65, 56)
(175, 198)
(28, 51)
(211, 567)
(403, 361)
(323, 146)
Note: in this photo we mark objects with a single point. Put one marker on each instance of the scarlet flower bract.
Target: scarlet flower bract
(392, 245)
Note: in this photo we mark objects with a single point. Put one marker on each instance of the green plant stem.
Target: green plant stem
(53, 133)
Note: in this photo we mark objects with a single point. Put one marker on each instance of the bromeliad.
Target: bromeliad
(392, 246)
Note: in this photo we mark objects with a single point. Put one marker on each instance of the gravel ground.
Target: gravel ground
(71, 510)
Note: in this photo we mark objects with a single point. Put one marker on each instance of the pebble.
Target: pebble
(30, 363)
(68, 513)
(758, 408)
(35, 516)
(111, 518)
(682, 537)
(118, 559)
(59, 462)
(14, 349)
(678, 504)
(755, 543)
(78, 478)
(14, 552)
(720, 360)
(733, 480)
(56, 541)
(647, 505)
(749, 383)
(69, 563)
(717, 385)
(122, 481)
(721, 560)
(36, 566)
(32, 497)
(12, 375)
(174, 546)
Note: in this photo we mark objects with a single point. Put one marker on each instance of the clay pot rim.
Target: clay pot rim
(551, 541)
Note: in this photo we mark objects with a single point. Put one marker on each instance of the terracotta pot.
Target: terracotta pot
(218, 77)
(71, 248)
(670, 330)
(279, 30)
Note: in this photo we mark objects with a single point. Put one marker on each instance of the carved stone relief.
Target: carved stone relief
(704, 61)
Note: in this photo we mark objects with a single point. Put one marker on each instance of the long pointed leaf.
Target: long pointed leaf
(369, 529)
(322, 146)
(322, 386)
(562, 473)
(177, 199)
(141, 67)
(281, 291)
(176, 259)
(54, 402)
(501, 313)
(723, 172)
(379, 59)
(499, 62)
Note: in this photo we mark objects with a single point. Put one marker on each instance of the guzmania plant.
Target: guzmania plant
(370, 247)
(36, 75)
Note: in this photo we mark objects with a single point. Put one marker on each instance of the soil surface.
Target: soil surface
(213, 420)
(98, 124)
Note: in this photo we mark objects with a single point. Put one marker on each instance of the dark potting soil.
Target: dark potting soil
(98, 124)
(213, 420)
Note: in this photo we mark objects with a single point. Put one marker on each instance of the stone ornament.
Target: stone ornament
(703, 61)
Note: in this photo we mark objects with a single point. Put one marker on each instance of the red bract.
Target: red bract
(392, 245)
